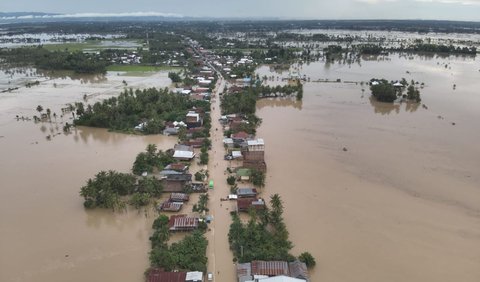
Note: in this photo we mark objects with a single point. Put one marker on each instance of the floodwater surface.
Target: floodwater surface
(380, 192)
(46, 234)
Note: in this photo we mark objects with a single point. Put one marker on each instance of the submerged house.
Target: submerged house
(183, 152)
(193, 119)
(240, 137)
(257, 165)
(170, 206)
(244, 204)
(177, 167)
(159, 275)
(244, 174)
(179, 197)
(247, 192)
(176, 182)
(256, 145)
(183, 223)
(272, 271)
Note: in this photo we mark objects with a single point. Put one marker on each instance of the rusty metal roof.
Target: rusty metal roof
(156, 275)
(270, 268)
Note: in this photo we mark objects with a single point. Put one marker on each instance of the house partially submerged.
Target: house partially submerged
(240, 137)
(276, 271)
(254, 155)
(256, 145)
(228, 142)
(183, 152)
(195, 143)
(244, 174)
(170, 206)
(257, 165)
(176, 182)
(193, 119)
(177, 167)
(158, 275)
(179, 197)
(247, 192)
(183, 223)
(244, 204)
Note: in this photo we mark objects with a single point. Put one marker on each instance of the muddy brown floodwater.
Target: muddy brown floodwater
(46, 234)
(402, 203)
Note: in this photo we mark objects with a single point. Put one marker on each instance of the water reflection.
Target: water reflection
(279, 102)
(83, 78)
(387, 108)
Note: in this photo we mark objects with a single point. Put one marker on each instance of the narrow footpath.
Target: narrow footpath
(220, 258)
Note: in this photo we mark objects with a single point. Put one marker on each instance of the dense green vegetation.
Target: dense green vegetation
(151, 159)
(41, 58)
(152, 106)
(413, 93)
(109, 190)
(201, 206)
(383, 91)
(264, 237)
(258, 178)
(106, 189)
(175, 77)
(187, 255)
(308, 259)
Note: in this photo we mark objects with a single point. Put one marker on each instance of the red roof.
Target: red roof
(178, 166)
(270, 268)
(157, 275)
(195, 129)
(240, 135)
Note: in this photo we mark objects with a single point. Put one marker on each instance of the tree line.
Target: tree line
(114, 190)
(42, 58)
(152, 106)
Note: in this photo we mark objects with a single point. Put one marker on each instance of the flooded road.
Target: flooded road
(402, 201)
(47, 235)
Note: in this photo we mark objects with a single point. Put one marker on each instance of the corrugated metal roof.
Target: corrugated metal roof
(184, 154)
(298, 269)
(157, 275)
(256, 142)
(240, 135)
(246, 191)
(194, 276)
(179, 197)
(183, 222)
(281, 278)
(171, 206)
(270, 268)
(244, 269)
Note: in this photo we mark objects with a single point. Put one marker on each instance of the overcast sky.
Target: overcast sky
(296, 9)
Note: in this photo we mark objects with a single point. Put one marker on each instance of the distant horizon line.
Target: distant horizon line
(50, 15)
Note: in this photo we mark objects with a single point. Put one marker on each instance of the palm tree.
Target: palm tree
(39, 109)
(151, 149)
(276, 202)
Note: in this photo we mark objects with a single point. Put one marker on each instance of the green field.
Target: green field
(141, 68)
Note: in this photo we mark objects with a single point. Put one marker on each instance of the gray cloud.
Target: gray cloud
(298, 9)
